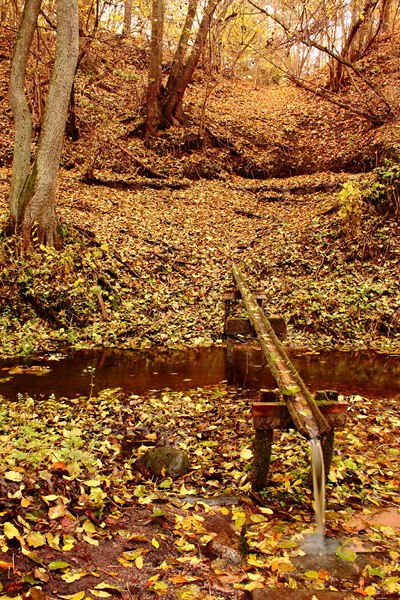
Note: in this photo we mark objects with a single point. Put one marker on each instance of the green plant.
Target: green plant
(384, 193)
(91, 371)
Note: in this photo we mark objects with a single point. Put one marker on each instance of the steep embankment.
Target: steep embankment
(146, 262)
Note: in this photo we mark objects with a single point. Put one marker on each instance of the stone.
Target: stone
(165, 461)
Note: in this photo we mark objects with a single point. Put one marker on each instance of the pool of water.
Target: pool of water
(365, 373)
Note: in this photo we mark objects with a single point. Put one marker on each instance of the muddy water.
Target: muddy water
(365, 373)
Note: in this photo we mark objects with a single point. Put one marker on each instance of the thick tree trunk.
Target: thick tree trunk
(177, 63)
(20, 109)
(154, 80)
(39, 212)
(172, 102)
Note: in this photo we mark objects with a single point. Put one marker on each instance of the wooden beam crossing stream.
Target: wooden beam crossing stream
(307, 417)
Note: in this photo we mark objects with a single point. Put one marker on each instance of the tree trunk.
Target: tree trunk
(155, 65)
(20, 109)
(349, 51)
(177, 63)
(172, 101)
(127, 18)
(36, 219)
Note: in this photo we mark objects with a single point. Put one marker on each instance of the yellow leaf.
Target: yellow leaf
(36, 539)
(50, 498)
(13, 476)
(124, 563)
(92, 482)
(370, 590)
(312, 574)
(253, 585)
(68, 542)
(265, 510)
(139, 562)
(55, 512)
(73, 576)
(90, 540)
(77, 596)
(88, 526)
(53, 541)
(246, 454)
(10, 531)
(158, 586)
(155, 543)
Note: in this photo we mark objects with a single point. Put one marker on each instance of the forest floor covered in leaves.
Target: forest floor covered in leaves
(80, 519)
(150, 232)
(144, 266)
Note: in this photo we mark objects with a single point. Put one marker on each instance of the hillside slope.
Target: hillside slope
(146, 259)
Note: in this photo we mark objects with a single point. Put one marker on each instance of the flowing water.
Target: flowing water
(318, 476)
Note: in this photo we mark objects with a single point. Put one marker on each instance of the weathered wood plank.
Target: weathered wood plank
(240, 326)
(276, 415)
(235, 294)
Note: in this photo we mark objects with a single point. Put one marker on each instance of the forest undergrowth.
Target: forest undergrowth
(80, 518)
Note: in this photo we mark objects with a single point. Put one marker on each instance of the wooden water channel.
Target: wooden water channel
(291, 405)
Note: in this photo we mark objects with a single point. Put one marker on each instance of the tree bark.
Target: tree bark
(177, 63)
(32, 201)
(127, 18)
(154, 80)
(20, 109)
(172, 101)
(39, 210)
(348, 52)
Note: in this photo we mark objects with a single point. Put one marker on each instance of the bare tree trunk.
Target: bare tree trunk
(349, 51)
(177, 63)
(20, 109)
(153, 111)
(386, 9)
(172, 102)
(35, 200)
(127, 18)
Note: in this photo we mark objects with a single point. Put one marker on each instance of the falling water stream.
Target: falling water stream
(318, 475)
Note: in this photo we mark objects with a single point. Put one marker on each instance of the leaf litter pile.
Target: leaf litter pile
(81, 517)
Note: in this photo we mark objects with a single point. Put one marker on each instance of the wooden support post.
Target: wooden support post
(270, 414)
(261, 458)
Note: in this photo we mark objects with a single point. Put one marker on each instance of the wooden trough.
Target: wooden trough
(291, 405)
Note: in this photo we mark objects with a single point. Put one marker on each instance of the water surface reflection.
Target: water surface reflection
(365, 373)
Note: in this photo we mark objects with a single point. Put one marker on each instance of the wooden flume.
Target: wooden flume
(307, 417)
(315, 417)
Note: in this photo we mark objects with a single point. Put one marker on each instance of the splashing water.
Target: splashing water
(318, 474)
